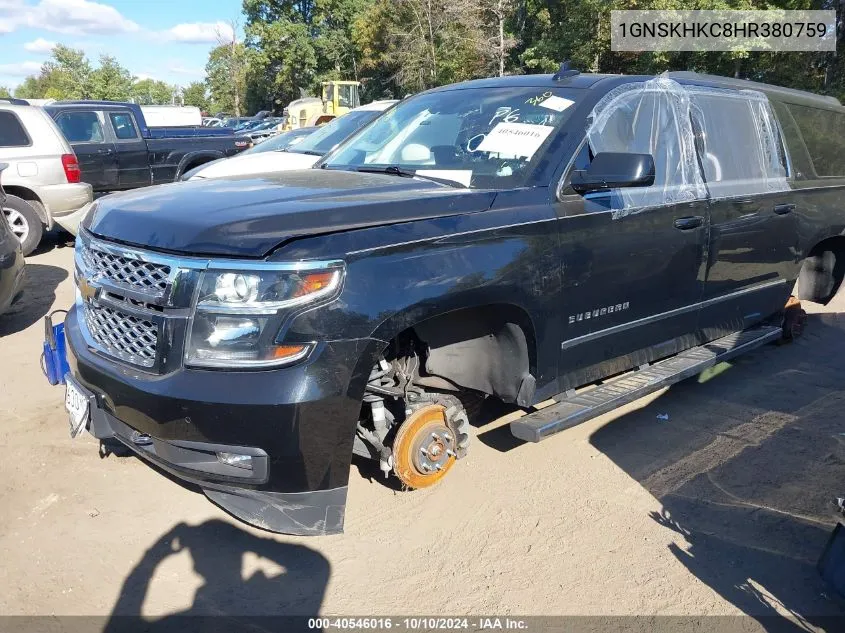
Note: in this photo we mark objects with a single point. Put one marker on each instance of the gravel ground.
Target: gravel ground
(721, 509)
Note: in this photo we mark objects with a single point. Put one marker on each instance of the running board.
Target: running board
(587, 405)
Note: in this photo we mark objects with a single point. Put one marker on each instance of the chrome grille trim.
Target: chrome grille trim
(147, 275)
(129, 338)
(128, 271)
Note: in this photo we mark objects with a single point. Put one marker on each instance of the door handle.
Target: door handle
(105, 151)
(783, 209)
(692, 222)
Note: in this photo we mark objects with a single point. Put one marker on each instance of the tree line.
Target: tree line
(68, 74)
(398, 47)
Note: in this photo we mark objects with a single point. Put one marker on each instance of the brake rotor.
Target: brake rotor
(424, 448)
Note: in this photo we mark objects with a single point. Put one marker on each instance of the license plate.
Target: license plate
(76, 403)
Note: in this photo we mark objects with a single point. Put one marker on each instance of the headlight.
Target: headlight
(238, 314)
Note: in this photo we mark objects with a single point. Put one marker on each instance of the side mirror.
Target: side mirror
(613, 170)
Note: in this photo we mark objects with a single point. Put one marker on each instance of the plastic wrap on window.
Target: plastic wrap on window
(650, 117)
(773, 156)
(740, 144)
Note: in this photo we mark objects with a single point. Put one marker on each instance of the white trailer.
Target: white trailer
(172, 116)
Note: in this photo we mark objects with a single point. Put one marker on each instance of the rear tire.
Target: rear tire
(24, 221)
(794, 320)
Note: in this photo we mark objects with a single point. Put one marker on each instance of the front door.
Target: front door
(633, 258)
(132, 157)
(85, 131)
(753, 254)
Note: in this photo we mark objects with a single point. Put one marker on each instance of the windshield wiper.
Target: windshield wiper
(395, 170)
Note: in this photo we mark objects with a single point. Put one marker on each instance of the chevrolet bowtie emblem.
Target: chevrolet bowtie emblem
(87, 290)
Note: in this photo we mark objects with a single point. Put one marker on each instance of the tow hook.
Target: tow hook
(113, 447)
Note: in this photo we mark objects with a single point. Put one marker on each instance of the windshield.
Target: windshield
(281, 141)
(324, 139)
(478, 137)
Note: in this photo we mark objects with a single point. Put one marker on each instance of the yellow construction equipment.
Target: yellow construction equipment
(338, 97)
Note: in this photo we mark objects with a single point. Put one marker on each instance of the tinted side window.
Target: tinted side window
(12, 133)
(824, 135)
(124, 126)
(741, 151)
(81, 127)
(797, 150)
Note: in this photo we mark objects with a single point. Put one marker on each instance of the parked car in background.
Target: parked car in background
(11, 258)
(270, 127)
(279, 143)
(303, 154)
(210, 121)
(246, 126)
(282, 141)
(234, 122)
(117, 150)
(42, 183)
(248, 122)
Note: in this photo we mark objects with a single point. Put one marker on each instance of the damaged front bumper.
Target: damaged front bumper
(315, 512)
(296, 425)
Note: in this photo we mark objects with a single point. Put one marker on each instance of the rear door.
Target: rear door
(753, 255)
(86, 132)
(132, 155)
(633, 259)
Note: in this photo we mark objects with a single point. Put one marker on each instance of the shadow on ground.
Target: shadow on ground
(746, 467)
(55, 238)
(227, 601)
(39, 293)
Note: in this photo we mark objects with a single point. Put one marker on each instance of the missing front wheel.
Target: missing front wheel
(415, 434)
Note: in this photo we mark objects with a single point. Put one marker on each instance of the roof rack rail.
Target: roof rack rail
(731, 82)
(14, 101)
(565, 71)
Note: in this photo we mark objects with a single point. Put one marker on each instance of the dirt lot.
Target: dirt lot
(723, 508)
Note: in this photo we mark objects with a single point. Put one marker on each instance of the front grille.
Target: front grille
(127, 271)
(122, 335)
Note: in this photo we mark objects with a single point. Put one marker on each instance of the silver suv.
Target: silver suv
(42, 182)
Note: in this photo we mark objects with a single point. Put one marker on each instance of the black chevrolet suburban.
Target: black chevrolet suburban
(117, 150)
(517, 238)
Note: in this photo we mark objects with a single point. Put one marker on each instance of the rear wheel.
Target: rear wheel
(794, 319)
(24, 222)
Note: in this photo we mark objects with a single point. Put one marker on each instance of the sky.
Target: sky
(161, 39)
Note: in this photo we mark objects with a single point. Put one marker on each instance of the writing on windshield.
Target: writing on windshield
(478, 137)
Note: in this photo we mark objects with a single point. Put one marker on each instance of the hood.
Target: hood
(250, 216)
(248, 164)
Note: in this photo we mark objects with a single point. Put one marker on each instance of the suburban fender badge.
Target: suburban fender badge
(597, 312)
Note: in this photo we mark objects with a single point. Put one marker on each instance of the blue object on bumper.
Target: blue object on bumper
(54, 355)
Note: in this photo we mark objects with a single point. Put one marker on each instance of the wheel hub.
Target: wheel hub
(434, 451)
(424, 447)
